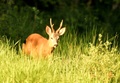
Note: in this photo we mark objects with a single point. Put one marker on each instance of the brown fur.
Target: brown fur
(36, 45)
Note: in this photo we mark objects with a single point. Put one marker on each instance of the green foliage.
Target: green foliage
(102, 48)
(13, 23)
(19, 23)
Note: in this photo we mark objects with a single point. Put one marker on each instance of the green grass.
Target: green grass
(72, 62)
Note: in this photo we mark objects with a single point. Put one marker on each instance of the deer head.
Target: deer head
(54, 35)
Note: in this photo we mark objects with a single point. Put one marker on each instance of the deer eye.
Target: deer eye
(51, 38)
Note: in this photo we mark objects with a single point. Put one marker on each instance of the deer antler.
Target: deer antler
(59, 26)
(52, 25)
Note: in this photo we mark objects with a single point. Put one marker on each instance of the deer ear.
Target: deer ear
(48, 30)
(62, 31)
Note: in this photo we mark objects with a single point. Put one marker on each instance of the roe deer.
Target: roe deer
(37, 46)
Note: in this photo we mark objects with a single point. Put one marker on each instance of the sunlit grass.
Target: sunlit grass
(72, 62)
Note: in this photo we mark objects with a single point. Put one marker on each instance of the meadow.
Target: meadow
(73, 61)
(88, 52)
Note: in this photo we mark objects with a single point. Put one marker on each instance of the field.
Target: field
(88, 52)
(73, 61)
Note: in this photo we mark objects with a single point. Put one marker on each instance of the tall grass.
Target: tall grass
(73, 61)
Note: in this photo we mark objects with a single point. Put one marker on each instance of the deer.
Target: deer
(39, 46)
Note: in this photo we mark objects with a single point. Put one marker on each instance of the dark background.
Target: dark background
(19, 18)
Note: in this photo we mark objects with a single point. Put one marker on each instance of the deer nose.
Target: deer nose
(55, 45)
